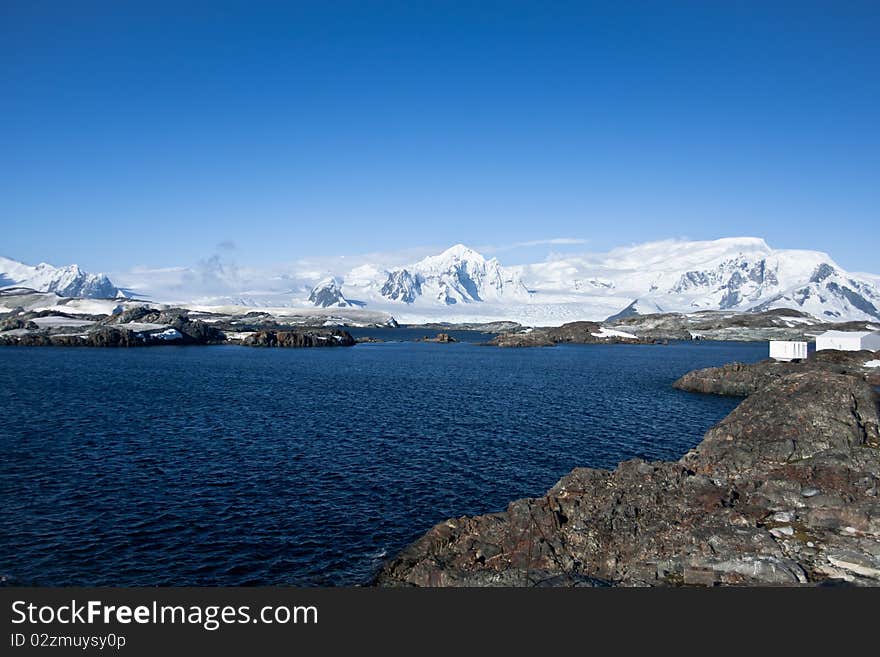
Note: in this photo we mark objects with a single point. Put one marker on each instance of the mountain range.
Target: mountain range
(461, 285)
(69, 281)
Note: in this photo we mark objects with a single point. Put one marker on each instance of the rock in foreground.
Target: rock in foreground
(783, 491)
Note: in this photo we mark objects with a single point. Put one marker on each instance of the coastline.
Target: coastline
(130, 323)
(783, 491)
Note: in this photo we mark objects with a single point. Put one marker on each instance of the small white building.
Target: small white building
(788, 350)
(848, 340)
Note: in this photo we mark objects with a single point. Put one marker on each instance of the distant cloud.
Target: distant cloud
(403, 257)
(318, 267)
(552, 241)
(217, 276)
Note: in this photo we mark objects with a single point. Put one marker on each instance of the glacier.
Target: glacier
(738, 274)
(460, 284)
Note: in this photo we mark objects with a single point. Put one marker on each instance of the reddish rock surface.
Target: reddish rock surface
(784, 491)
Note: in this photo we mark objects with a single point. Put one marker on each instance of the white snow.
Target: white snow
(37, 301)
(462, 285)
(16, 333)
(844, 335)
(612, 333)
(143, 327)
(873, 363)
(238, 335)
(168, 335)
(669, 276)
(791, 321)
(57, 322)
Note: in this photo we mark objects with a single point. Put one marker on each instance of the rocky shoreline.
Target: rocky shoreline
(779, 324)
(143, 326)
(740, 380)
(660, 328)
(784, 491)
(318, 338)
(30, 318)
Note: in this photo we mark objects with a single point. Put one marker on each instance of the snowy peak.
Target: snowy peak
(454, 256)
(731, 274)
(328, 293)
(822, 272)
(69, 281)
(401, 285)
(745, 274)
(830, 294)
(462, 285)
(732, 282)
(458, 275)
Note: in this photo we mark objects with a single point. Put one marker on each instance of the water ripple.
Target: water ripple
(233, 466)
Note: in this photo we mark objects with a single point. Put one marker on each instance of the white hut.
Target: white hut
(788, 350)
(848, 340)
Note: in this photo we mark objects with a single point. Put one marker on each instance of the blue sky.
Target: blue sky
(151, 134)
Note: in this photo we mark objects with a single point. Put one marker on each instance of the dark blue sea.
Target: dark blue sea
(237, 466)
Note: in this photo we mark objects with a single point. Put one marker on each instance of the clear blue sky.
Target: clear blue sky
(145, 133)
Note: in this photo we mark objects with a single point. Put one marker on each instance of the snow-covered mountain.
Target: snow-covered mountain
(461, 285)
(69, 281)
(753, 276)
(668, 276)
(458, 275)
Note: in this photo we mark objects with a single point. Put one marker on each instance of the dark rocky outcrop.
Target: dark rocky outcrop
(13, 323)
(104, 336)
(197, 332)
(575, 332)
(784, 491)
(735, 379)
(572, 333)
(440, 337)
(135, 314)
(525, 339)
(303, 338)
(194, 331)
(658, 326)
(112, 331)
(34, 314)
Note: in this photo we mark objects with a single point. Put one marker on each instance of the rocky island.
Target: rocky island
(784, 491)
(300, 338)
(571, 333)
(443, 338)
